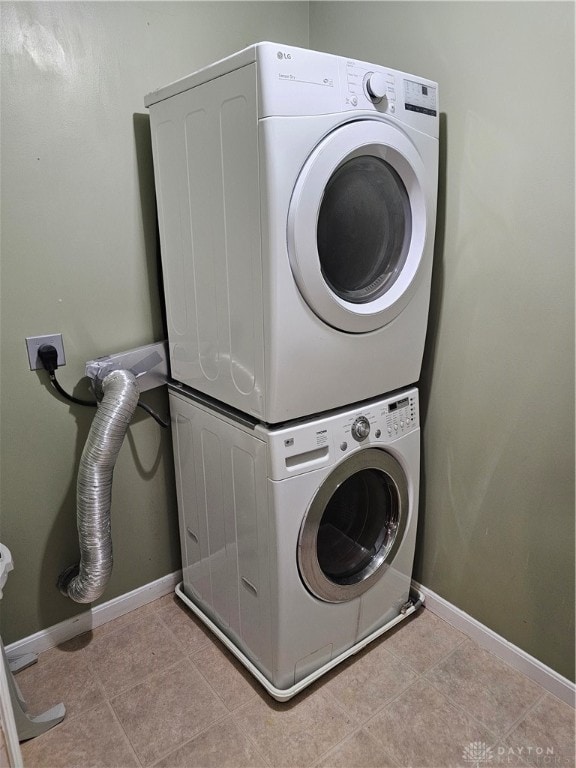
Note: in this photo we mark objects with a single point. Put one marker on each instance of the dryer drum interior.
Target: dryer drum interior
(364, 228)
(354, 526)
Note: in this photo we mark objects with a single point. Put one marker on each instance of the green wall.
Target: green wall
(78, 254)
(497, 529)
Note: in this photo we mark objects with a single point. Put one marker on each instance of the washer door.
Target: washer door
(354, 526)
(357, 226)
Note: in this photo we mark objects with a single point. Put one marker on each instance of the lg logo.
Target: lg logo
(281, 55)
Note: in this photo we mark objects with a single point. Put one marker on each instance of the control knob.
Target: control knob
(376, 86)
(361, 428)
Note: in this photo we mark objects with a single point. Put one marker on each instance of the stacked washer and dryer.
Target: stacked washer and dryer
(297, 201)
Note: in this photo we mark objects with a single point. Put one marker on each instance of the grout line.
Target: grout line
(225, 653)
(145, 679)
(249, 737)
(433, 665)
(453, 704)
(126, 737)
(67, 719)
(385, 704)
(558, 700)
(181, 644)
(497, 737)
(335, 746)
(98, 682)
(72, 719)
(220, 719)
(443, 658)
(390, 701)
(381, 749)
(522, 717)
(341, 741)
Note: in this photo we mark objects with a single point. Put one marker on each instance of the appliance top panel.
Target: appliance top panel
(299, 82)
(310, 444)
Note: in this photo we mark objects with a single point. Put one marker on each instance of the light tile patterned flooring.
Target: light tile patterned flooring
(153, 688)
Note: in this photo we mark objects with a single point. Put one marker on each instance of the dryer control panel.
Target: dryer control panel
(297, 81)
(368, 86)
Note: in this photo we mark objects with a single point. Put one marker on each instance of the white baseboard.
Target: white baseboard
(94, 617)
(550, 680)
(486, 638)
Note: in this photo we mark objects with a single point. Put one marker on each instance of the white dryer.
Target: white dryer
(297, 203)
(297, 541)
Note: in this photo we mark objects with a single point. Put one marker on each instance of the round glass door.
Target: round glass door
(357, 226)
(364, 228)
(354, 526)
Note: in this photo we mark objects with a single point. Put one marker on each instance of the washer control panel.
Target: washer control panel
(382, 422)
(400, 416)
(310, 444)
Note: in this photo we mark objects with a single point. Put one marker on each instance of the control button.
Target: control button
(354, 101)
(361, 428)
(389, 430)
(396, 427)
(378, 433)
(392, 108)
(343, 446)
(376, 86)
(402, 424)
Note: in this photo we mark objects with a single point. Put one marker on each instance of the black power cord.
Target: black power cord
(48, 355)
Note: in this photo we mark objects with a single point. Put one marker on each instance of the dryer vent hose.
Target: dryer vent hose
(85, 581)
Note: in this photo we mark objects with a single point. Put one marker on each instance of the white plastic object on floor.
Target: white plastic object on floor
(6, 565)
(26, 725)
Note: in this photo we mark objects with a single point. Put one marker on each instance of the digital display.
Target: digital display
(399, 404)
(420, 98)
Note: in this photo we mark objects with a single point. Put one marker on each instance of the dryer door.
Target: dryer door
(354, 526)
(357, 225)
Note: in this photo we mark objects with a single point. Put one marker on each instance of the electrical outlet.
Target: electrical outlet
(34, 342)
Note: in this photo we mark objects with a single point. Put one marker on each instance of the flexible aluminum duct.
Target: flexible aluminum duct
(94, 488)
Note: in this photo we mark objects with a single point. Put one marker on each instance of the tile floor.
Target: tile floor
(152, 688)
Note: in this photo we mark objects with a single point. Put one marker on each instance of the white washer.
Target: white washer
(297, 202)
(297, 541)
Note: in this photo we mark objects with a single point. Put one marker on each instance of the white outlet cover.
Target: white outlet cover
(33, 343)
